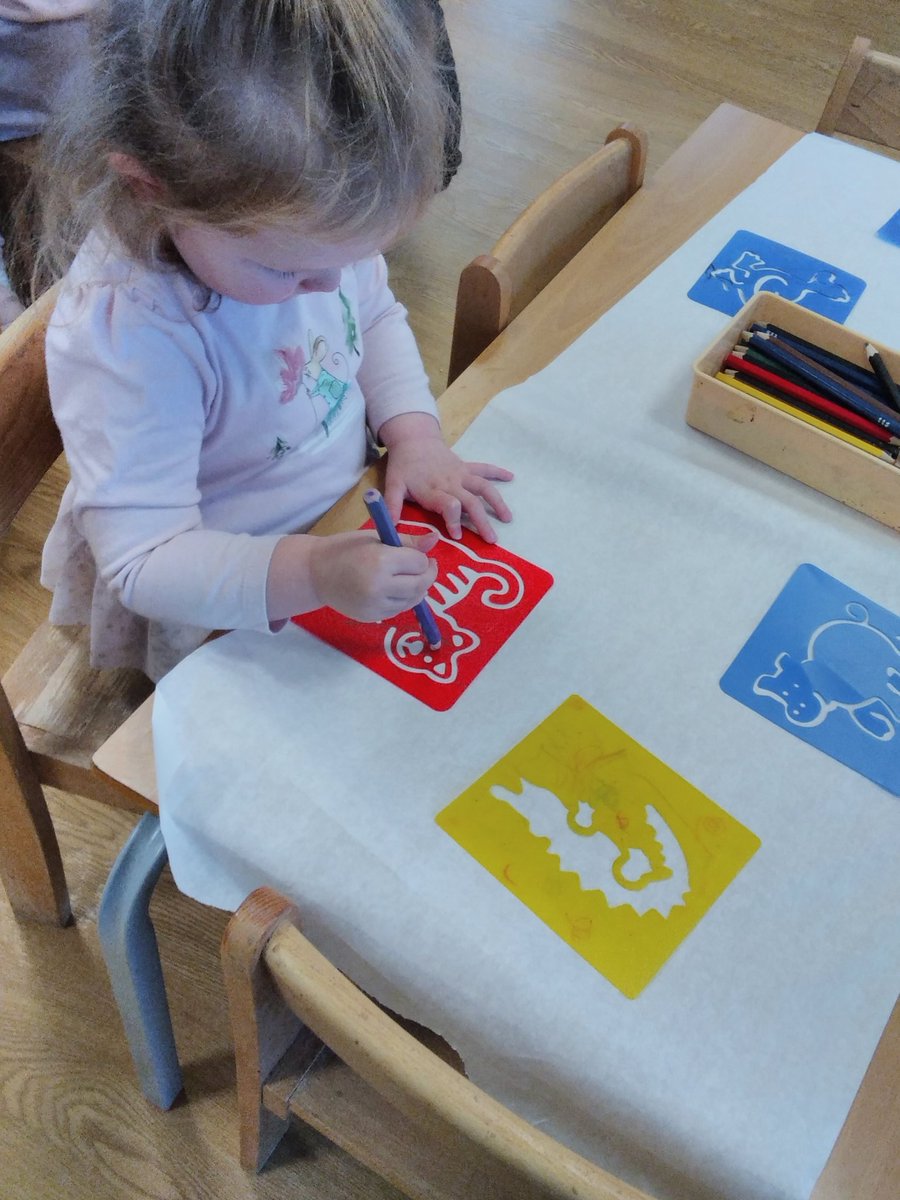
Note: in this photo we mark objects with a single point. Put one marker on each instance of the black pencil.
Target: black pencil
(892, 395)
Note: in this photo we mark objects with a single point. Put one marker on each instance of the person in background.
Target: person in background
(41, 41)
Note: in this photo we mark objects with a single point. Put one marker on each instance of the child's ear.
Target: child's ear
(135, 176)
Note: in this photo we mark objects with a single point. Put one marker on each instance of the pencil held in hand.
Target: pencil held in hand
(386, 530)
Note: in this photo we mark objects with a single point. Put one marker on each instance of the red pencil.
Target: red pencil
(820, 403)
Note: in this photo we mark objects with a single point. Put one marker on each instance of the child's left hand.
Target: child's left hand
(421, 466)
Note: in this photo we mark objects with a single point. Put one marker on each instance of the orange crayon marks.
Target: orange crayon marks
(613, 850)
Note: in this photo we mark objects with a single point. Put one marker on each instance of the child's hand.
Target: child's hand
(367, 581)
(422, 466)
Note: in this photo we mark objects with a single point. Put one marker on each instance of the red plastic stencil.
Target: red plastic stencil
(481, 596)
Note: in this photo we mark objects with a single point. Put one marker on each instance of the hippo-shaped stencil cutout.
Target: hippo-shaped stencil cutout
(850, 665)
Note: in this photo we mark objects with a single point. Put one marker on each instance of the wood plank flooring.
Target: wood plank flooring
(543, 82)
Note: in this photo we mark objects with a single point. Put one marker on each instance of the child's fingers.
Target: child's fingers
(406, 566)
(452, 507)
(491, 496)
(408, 586)
(449, 507)
(489, 471)
(421, 541)
(394, 495)
(478, 515)
(357, 575)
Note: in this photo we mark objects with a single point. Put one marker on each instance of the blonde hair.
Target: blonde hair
(331, 113)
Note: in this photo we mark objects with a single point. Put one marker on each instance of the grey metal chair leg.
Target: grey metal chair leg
(131, 954)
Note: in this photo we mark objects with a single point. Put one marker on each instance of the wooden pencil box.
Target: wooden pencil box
(824, 462)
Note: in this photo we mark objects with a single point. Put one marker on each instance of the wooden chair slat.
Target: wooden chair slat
(53, 688)
(865, 100)
(495, 287)
(29, 440)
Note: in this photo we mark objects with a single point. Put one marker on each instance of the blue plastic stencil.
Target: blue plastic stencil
(890, 230)
(749, 264)
(824, 664)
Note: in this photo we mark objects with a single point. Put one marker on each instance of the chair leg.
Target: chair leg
(30, 861)
(131, 954)
(262, 1024)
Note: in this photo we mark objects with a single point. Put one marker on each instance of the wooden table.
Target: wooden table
(727, 153)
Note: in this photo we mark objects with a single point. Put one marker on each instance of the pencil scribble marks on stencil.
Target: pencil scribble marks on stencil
(598, 838)
(850, 666)
(749, 274)
(581, 927)
(495, 585)
(625, 875)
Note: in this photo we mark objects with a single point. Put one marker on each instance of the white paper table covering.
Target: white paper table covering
(281, 761)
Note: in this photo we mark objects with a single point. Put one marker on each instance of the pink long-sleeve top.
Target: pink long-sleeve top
(197, 435)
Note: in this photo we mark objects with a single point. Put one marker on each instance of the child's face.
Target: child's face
(269, 266)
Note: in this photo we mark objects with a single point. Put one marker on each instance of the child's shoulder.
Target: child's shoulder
(103, 275)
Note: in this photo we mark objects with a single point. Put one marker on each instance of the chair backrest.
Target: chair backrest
(865, 100)
(29, 439)
(286, 1001)
(495, 287)
(54, 709)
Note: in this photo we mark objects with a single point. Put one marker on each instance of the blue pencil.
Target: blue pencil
(847, 370)
(827, 382)
(390, 537)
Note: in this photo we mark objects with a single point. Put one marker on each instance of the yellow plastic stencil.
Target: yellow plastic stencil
(612, 849)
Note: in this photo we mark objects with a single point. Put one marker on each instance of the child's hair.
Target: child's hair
(332, 113)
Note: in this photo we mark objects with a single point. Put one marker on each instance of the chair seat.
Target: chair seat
(66, 709)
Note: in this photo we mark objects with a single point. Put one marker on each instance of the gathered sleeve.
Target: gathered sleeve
(392, 376)
(131, 387)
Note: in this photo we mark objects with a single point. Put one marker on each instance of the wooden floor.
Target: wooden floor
(543, 82)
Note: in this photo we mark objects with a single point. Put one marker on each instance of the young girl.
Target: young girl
(225, 335)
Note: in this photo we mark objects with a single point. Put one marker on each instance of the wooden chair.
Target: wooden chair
(495, 287)
(55, 712)
(865, 100)
(310, 1044)
(54, 709)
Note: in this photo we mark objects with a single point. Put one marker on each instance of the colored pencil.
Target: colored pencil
(784, 352)
(821, 404)
(830, 384)
(892, 395)
(386, 530)
(889, 447)
(825, 358)
(759, 356)
(764, 360)
(807, 418)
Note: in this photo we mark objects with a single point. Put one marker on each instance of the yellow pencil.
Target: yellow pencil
(804, 416)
